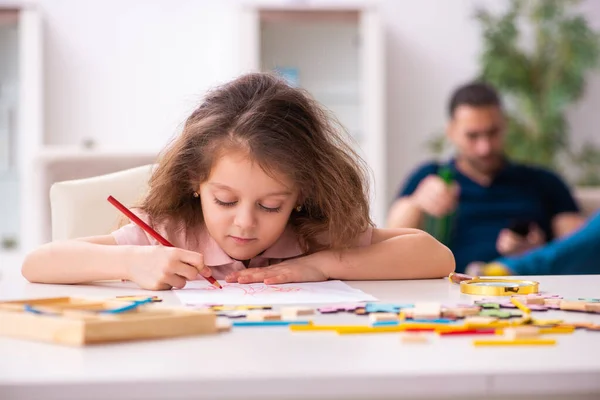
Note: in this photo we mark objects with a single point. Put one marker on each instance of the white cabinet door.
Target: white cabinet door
(32, 196)
(372, 60)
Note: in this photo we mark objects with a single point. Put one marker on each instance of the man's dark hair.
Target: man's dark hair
(475, 94)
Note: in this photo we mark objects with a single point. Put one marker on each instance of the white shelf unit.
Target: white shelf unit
(21, 133)
(28, 167)
(336, 52)
(9, 189)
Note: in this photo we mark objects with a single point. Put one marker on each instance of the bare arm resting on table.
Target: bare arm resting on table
(393, 254)
(99, 258)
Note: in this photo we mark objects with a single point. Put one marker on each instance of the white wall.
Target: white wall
(126, 73)
(584, 117)
(9, 219)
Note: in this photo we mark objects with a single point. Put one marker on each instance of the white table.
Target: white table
(274, 363)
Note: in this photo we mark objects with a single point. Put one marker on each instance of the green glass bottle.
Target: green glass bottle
(441, 227)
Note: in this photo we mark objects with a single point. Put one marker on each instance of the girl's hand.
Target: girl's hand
(163, 268)
(303, 269)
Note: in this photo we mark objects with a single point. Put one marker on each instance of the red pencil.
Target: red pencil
(150, 231)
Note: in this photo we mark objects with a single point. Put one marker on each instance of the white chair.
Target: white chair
(80, 208)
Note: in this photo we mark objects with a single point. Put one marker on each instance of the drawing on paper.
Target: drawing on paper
(256, 289)
(200, 292)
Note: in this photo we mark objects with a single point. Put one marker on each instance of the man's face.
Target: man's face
(478, 134)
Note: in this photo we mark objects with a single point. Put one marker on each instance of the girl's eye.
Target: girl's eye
(233, 203)
(225, 204)
(268, 209)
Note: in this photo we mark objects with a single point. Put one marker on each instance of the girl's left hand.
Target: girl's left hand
(302, 269)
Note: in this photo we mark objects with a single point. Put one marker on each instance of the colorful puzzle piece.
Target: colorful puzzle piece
(502, 314)
(490, 306)
(495, 304)
(232, 314)
(385, 307)
(339, 308)
(537, 307)
(589, 300)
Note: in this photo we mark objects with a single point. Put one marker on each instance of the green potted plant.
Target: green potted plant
(538, 54)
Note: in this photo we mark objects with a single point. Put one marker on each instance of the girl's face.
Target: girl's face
(244, 209)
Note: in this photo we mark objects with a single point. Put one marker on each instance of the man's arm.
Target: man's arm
(565, 223)
(404, 213)
(566, 216)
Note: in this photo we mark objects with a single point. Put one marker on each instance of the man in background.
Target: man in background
(498, 207)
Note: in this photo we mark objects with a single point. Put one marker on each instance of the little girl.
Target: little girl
(259, 187)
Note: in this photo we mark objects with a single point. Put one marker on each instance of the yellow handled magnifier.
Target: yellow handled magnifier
(475, 285)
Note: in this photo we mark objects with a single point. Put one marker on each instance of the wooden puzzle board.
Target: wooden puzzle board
(75, 321)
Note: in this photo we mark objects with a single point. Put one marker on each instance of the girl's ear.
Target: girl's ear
(300, 200)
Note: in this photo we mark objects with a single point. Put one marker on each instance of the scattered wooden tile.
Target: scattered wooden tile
(360, 311)
(592, 307)
(552, 302)
(479, 320)
(295, 312)
(414, 338)
(534, 300)
(521, 332)
(460, 312)
(223, 326)
(569, 305)
(383, 317)
(263, 316)
(426, 311)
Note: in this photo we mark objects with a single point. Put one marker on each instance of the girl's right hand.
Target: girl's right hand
(163, 268)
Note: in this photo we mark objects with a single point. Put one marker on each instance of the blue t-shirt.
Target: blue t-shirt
(518, 192)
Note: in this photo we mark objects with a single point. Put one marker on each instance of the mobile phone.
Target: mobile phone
(520, 227)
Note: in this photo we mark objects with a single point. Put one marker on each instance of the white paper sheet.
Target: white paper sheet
(203, 293)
